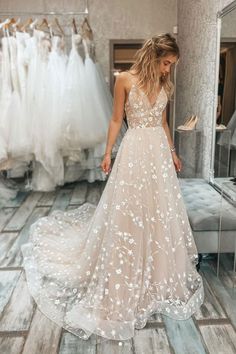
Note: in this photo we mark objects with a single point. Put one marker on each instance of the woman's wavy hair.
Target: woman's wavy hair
(146, 60)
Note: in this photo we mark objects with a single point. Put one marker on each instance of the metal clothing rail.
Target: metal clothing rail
(21, 13)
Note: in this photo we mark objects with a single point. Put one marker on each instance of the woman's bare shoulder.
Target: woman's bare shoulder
(125, 77)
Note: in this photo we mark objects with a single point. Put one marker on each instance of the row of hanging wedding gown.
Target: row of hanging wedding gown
(55, 108)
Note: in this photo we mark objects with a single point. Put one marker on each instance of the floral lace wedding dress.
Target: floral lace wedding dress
(104, 270)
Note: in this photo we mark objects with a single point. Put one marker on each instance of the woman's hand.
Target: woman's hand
(177, 162)
(106, 163)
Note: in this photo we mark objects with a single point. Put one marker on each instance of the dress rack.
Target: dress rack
(46, 13)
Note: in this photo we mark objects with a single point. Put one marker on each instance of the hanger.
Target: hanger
(59, 26)
(15, 25)
(57, 23)
(45, 27)
(33, 24)
(9, 22)
(74, 26)
(11, 26)
(86, 23)
(26, 24)
(44, 23)
(86, 29)
(12, 21)
(4, 27)
(2, 24)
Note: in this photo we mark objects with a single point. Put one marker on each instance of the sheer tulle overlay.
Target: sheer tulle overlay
(104, 270)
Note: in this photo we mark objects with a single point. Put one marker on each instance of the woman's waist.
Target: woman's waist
(144, 122)
(145, 131)
(145, 126)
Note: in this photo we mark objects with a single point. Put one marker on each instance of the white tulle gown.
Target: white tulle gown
(86, 118)
(100, 95)
(104, 270)
(5, 99)
(50, 155)
(86, 96)
(73, 104)
(45, 177)
(54, 104)
(15, 102)
(19, 146)
(40, 115)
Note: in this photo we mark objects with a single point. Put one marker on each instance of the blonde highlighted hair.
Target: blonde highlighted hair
(146, 60)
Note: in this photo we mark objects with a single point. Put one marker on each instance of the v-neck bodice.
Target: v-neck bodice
(140, 113)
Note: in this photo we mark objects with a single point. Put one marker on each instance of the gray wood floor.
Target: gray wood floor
(23, 328)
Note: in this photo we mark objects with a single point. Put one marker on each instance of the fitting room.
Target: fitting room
(59, 62)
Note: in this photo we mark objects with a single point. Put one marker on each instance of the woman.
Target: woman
(105, 270)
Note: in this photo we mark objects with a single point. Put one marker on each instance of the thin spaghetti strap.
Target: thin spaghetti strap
(133, 84)
(133, 80)
(128, 94)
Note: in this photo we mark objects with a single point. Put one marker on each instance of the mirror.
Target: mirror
(225, 128)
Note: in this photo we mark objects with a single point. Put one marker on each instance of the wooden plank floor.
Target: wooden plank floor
(24, 329)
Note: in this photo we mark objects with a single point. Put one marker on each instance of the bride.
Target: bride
(105, 270)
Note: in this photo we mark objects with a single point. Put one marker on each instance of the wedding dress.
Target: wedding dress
(104, 270)
(75, 112)
(40, 116)
(99, 96)
(19, 142)
(44, 178)
(56, 74)
(101, 108)
(85, 121)
(50, 154)
(37, 48)
(5, 99)
(102, 91)
(32, 64)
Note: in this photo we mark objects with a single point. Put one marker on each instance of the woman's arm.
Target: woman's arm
(116, 121)
(176, 160)
(167, 129)
(118, 112)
